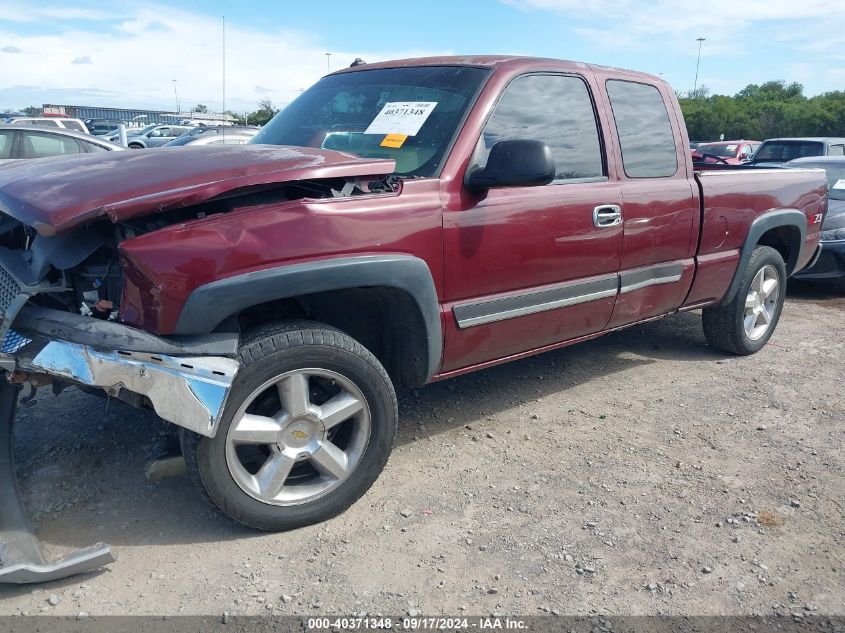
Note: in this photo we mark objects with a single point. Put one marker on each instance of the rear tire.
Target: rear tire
(746, 324)
(307, 429)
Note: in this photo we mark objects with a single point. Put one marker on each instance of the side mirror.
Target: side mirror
(514, 163)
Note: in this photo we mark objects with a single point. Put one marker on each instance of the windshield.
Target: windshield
(782, 151)
(727, 150)
(143, 130)
(184, 139)
(409, 115)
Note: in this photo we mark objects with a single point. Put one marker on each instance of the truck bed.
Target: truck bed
(727, 217)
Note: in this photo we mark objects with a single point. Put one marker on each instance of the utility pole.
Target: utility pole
(329, 62)
(697, 64)
(223, 25)
(176, 94)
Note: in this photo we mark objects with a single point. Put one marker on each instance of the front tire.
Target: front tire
(746, 324)
(307, 429)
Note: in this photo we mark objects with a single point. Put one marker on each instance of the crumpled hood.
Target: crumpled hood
(56, 194)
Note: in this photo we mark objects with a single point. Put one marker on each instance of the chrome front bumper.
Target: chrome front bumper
(188, 390)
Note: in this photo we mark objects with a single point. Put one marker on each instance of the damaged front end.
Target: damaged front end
(58, 303)
(77, 266)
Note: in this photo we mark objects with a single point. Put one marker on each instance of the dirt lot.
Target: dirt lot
(642, 473)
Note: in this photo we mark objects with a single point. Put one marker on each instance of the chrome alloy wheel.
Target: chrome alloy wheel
(298, 436)
(761, 302)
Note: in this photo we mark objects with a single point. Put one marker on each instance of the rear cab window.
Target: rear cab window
(645, 131)
(73, 125)
(782, 151)
(557, 110)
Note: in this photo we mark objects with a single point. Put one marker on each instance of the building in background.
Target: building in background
(134, 117)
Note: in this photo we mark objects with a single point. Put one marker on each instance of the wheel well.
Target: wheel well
(786, 240)
(385, 320)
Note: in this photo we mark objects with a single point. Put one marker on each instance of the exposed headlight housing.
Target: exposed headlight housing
(833, 235)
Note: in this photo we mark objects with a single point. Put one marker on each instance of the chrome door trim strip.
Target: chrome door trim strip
(631, 280)
(531, 302)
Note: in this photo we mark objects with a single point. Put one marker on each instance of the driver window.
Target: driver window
(554, 109)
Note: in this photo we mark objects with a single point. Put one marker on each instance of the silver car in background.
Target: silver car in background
(33, 141)
(214, 139)
(155, 135)
(228, 135)
(211, 131)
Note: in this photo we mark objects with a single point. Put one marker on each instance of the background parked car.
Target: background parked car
(776, 151)
(728, 152)
(102, 127)
(156, 137)
(217, 132)
(52, 121)
(211, 139)
(40, 142)
(830, 266)
(114, 137)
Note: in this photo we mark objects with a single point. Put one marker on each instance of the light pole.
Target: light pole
(176, 94)
(697, 64)
(329, 62)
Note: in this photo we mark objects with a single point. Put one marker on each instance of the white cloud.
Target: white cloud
(139, 52)
(745, 31)
(727, 24)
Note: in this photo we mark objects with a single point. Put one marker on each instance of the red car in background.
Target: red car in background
(726, 152)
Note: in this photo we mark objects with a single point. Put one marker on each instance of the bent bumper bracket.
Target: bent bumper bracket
(22, 558)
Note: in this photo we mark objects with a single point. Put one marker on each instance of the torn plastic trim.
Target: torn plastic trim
(22, 558)
(189, 391)
(102, 334)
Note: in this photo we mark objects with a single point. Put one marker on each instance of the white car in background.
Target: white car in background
(52, 121)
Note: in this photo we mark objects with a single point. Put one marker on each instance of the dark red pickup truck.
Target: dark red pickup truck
(398, 223)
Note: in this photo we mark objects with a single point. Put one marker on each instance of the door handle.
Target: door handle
(607, 215)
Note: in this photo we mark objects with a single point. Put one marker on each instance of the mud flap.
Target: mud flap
(22, 558)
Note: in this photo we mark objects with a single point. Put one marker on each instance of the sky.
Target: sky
(128, 54)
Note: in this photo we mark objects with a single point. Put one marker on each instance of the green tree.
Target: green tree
(200, 108)
(266, 111)
(771, 109)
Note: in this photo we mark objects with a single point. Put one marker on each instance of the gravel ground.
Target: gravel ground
(641, 473)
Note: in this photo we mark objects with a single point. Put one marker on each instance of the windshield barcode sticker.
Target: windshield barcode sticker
(393, 140)
(401, 117)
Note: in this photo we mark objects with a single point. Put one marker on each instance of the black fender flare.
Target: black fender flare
(792, 218)
(209, 305)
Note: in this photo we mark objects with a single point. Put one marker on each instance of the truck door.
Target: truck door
(530, 267)
(660, 206)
